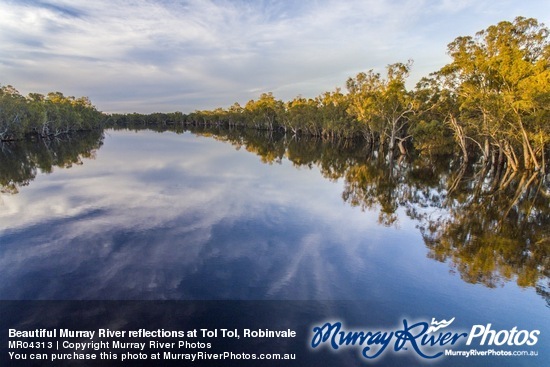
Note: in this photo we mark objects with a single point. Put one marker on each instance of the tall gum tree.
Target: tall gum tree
(502, 83)
(397, 105)
(383, 105)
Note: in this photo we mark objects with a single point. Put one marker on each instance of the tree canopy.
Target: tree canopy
(489, 105)
(44, 116)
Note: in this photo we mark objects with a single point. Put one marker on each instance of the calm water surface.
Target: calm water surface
(162, 216)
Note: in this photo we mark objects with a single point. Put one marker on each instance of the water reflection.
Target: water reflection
(137, 225)
(491, 227)
(488, 236)
(21, 160)
(181, 217)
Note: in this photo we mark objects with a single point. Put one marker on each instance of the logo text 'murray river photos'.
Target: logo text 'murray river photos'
(425, 339)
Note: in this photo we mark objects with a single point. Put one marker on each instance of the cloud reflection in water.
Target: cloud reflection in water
(179, 217)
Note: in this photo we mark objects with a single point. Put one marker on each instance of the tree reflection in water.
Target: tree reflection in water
(490, 227)
(21, 160)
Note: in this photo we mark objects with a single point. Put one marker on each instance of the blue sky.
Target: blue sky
(162, 56)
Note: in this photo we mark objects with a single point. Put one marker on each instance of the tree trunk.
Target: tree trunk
(528, 150)
(460, 137)
(401, 146)
(511, 156)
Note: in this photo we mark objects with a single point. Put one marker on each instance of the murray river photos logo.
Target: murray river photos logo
(427, 340)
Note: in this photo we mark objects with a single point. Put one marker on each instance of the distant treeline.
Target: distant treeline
(44, 116)
(491, 105)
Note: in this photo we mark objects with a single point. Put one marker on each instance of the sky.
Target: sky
(164, 56)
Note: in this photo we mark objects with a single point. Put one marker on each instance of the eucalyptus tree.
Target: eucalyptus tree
(501, 79)
(363, 93)
(13, 111)
(438, 123)
(61, 118)
(264, 113)
(333, 114)
(235, 115)
(383, 105)
(397, 104)
(302, 116)
(49, 115)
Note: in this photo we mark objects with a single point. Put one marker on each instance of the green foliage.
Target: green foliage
(45, 116)
(501, 82)
(13, 113)
(432, 137)
(491, 103)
